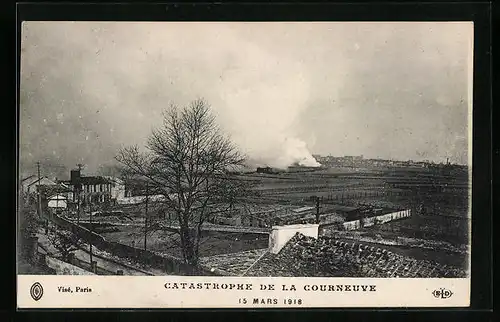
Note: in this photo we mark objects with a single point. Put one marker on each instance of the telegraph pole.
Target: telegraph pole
(146, 217)
(91, 230)
(78, 190)
(39, 196)
(78, 206)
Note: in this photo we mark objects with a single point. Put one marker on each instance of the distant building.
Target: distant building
(265, 170)
(117, 188)
(90, 189)
(30, 184)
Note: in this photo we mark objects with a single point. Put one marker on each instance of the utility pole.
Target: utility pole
(78, 205)
(146, 217)
(78, 190)
(39, 195)
(91, 229)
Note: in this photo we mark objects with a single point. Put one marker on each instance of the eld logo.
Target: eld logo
(442, 293)
(36, 291)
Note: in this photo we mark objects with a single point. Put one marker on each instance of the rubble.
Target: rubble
(327, 257)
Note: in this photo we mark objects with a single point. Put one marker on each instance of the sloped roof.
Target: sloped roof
(91, 180)
(58, 197)
(33, 177)
(233, 264)
(34, 180)
(51, 190)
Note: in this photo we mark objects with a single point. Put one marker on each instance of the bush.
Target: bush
(28, 225)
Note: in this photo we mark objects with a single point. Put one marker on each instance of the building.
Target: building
(30, 184)
(90, 189)
(267, 170)
(57, 202)
(117, 188)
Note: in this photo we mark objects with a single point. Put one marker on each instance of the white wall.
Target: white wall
(117, 189)
(57, 202)
(356, 224)
(280, 235)
(138, 199)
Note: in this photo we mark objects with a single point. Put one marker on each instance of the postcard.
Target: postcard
(244, 165)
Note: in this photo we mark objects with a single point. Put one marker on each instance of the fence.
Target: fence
(170, 264)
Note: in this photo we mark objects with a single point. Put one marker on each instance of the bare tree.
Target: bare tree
(65, 242)
(189, 162)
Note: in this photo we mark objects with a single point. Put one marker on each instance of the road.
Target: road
(106, 266)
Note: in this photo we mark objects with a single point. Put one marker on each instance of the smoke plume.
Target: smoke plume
(384, 90)
(263, 96)
(102, 85)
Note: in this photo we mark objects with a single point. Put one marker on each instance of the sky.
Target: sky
(280, 91)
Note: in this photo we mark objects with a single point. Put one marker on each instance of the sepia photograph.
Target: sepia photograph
(245, 150)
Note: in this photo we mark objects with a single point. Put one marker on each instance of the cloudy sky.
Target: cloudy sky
(388, 90)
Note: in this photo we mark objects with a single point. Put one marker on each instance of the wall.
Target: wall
(280, 235)
(367, 222)
(171, 264)
(63, 268)
(138, 199)
(118, 191)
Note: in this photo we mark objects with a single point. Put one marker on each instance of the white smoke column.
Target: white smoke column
(297, 151)
(264, 95)
(118, 77)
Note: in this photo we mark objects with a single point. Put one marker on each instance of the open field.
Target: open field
(442, 194)
(212, 243)
(443, 197)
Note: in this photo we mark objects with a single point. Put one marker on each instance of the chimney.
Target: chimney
(280, 235)
(75, 177)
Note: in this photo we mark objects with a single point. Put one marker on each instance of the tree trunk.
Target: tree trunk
(189, 252)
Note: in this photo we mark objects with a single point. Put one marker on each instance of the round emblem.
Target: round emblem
(36, 291)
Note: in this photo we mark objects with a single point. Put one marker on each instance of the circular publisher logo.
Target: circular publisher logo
(442, 293)
(36, 291)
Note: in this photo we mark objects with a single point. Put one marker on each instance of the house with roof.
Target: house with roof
(89, 189)
(57, 202)
(30, 184)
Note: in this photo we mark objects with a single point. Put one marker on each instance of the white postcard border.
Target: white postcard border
(157, 292)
